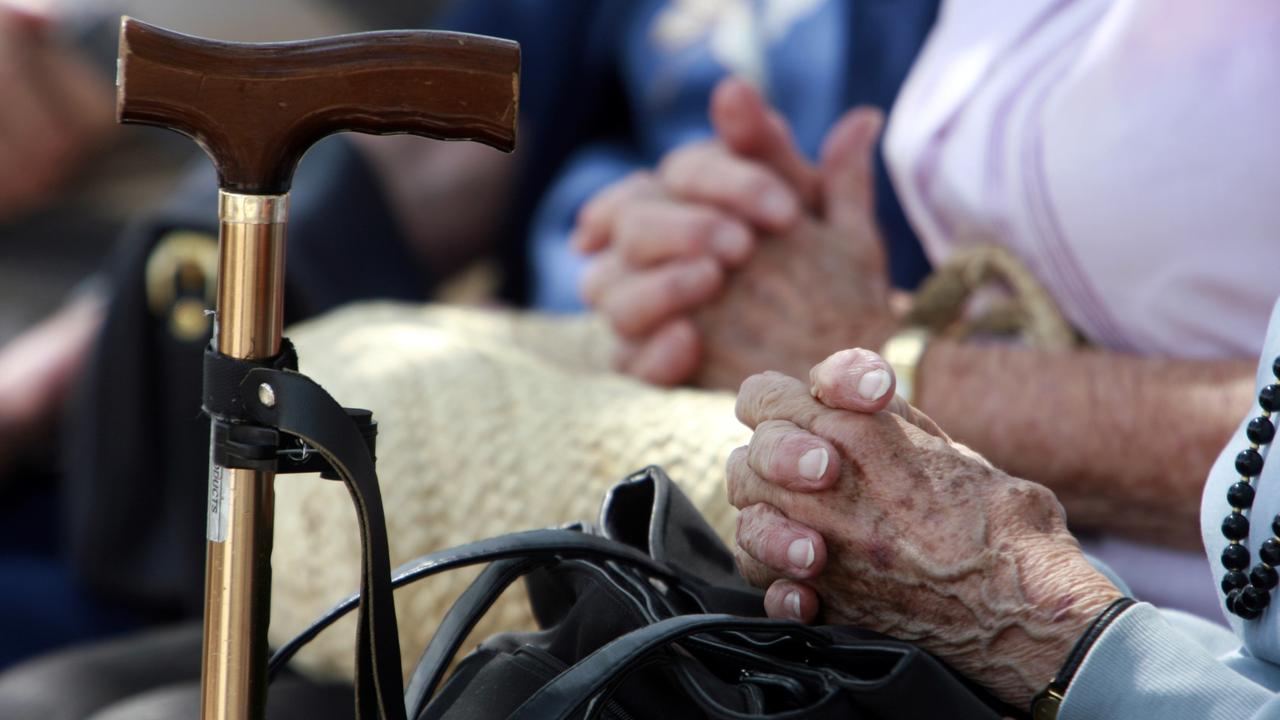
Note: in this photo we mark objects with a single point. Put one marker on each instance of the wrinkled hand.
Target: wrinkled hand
(852, 499)
(54, 111)
(808, 291)
(664, 240)
(738, 241)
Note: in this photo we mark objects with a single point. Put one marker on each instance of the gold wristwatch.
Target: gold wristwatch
(903, 352)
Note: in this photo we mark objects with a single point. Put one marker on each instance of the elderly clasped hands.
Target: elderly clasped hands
(737, 255)
(857, 506)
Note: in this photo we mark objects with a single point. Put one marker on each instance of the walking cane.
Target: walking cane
(256, 109)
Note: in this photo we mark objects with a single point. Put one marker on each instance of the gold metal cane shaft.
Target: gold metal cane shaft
(249, 325)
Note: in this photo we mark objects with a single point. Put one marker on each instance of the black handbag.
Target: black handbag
(642, 616)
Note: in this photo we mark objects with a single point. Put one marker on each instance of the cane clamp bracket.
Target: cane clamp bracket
(238, 394)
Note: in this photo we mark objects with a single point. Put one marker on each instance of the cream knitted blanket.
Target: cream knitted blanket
(489, 423)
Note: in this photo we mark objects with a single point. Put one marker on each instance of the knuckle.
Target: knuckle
(765, 396)
(772, 397)
(792, 442)
(748, 404)
(692, 233)
(691, 281)
(854, 432)
(686, 234)
(757, 529)
(760, 520)
(1039, 496)
(633, 227)
(749, 568)
(1023, 497)
(775, 444)
(609, 282)
(677, 165)
(751, 182)
(736, 474)
(673, 283)
(691, 166)
(621, 312)
(591, 214)
(770, 430)
(749, 519)
(750, 385)
(597, 210)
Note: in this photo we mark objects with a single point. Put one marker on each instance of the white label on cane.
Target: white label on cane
(216, 528)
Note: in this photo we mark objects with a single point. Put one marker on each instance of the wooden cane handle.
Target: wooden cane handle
(256, 108)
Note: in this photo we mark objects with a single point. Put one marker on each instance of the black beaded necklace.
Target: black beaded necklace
(1248, 595)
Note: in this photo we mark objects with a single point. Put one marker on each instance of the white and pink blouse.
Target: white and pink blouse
(1128, 151)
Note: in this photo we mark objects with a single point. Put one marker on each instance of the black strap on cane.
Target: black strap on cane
(293, 425)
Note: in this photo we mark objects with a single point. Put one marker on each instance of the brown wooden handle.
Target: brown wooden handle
(256, 108)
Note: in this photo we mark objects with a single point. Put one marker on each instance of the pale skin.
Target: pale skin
(56, 110)
(1108, 432)
(856, 505)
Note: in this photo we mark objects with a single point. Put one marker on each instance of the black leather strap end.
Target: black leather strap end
(224, 374)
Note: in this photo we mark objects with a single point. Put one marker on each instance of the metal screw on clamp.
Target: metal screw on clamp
(267, 395)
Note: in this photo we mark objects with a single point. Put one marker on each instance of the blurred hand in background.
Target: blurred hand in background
(56, 110)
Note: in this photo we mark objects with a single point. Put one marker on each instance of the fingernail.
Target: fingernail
(777, 206)
(793, 604)
(730, 241)
(800, 553)
(873, 385)
(813, 464)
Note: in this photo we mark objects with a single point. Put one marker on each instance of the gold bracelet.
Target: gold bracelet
(903, 352)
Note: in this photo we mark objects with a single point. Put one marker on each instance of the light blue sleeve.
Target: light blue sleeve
(1144, 667)
(557, 267)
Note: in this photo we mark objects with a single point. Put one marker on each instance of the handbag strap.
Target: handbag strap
(594, 674)
(302, 408)
(549, 544)
(461, 619)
